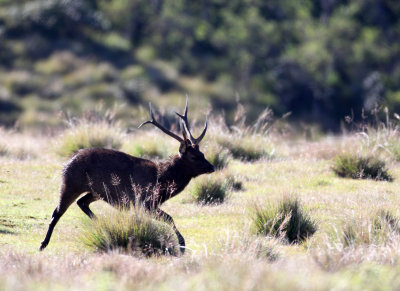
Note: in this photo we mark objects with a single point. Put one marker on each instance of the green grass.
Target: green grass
(222, 253)
(132, 231)
(288, 220)
(211, 189)
(360, 167)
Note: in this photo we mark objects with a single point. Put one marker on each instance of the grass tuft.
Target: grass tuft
(376, 230)
(211, 189)
(149, 145)
(87, 134)
(247, 148)
(358, 167)
(133, 231)
(217, 156)
(287, 220)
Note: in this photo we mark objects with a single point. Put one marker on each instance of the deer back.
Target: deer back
(110, 175)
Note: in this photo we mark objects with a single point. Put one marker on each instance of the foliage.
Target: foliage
(359, 167)
(319, 59)
(287, 220)
(133, 231)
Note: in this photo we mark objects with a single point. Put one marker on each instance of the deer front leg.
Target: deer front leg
(167, 218)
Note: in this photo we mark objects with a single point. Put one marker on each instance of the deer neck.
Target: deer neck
(173, 177)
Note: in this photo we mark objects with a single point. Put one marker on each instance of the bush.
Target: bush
(287, 220)
(133, 231)
(358, 167)
(211, 189)
(89, 134)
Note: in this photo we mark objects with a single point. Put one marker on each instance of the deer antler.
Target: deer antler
(155, 123)
(194, 141)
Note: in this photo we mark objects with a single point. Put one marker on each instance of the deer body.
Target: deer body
(121, 179)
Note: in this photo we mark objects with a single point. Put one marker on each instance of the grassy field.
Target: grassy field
(223, 251)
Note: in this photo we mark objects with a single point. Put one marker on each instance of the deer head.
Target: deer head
(189, 149)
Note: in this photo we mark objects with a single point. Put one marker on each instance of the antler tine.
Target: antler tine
(185, 120)
(156, 124)
(198, 140)
(194, 141)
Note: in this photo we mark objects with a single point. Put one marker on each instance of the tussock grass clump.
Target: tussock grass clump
(89, 134)
(287, 220)
(133, 231)
(377, 230)
(359, 167)
(211, 189)
(217, 156)
(250, 246)
(246, 148)
(148, 145)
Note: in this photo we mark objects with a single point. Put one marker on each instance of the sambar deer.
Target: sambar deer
(121, 179)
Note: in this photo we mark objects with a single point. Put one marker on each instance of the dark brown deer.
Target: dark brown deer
(121, 179)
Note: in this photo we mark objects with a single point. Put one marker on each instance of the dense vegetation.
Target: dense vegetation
(317, 59)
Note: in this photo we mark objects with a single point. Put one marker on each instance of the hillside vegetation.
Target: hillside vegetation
(320, 60)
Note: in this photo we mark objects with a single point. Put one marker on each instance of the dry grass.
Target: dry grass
(356, 246)
(20, 146)
(149, 144)
(90, 132)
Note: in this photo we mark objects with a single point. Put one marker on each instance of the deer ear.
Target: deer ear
(182, 148)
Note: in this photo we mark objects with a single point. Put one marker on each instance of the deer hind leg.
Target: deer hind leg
(65, 202)
(167, 218)
(84, 202)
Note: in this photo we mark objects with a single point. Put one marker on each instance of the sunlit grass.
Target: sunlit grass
(132, 231)
(287, 220)
(86, 134)
(221, 248)
(360, 167)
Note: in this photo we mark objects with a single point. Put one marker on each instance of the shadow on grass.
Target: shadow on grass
(6, 231)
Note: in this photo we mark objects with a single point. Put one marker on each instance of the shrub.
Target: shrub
(212, 189)
(133, 231)
(358, 167)
(287, 220)
(89, 134)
